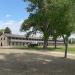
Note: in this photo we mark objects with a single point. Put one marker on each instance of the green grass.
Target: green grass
(51, 48)
(62, 49)
(71, 49)
(59, 49)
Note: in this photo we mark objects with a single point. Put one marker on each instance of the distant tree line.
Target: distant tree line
(6, 30)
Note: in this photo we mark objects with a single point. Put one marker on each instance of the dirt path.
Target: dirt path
(52, 53)
(29, 62)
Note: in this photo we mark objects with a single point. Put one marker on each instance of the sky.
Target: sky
(12, 14)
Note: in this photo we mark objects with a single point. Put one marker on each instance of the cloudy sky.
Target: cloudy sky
(12, 14)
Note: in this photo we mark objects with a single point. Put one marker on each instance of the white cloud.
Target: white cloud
(13, 25)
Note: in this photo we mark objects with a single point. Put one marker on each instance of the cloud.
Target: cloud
(8, 15)
(13, 25)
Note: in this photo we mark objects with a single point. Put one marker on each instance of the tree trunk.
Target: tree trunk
(55, 43)
(66, 46)
(45, 44)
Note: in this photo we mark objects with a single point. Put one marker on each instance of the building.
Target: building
(11, 40)
(16, 40)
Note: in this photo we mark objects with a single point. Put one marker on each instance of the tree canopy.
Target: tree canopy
(51, 17)
(1, 31)
(7, 30)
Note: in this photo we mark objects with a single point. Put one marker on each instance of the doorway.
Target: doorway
(1, 43)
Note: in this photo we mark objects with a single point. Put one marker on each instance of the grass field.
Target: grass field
(71, 48)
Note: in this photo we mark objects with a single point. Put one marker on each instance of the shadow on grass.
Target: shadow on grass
(35, 64)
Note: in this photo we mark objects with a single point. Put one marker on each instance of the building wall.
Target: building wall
(3, 40)
(11, 41)
(16, 42)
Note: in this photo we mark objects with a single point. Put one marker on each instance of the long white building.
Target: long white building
(19, 40)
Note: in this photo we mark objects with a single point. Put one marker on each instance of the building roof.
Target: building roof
(19, 36)
(14, 35)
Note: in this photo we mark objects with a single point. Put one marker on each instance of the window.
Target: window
(20, 43)
(4, 38)
(23, 44)
(1, 38)
(13, 38)
(9, 43)
(9, 38)
(13, 43)
(16, 43)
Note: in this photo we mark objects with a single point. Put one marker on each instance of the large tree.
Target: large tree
(42, 14)
(51, 17)
(66, 22)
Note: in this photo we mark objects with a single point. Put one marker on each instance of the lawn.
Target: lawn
(71, 48)
(60, 48)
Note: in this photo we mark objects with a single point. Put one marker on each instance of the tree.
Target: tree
(42, 14)
(7, 30)
(1, 31)
(66, 23)
(55, 36)
(49, 16)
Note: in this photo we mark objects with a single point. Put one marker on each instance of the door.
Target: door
(1, 43)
